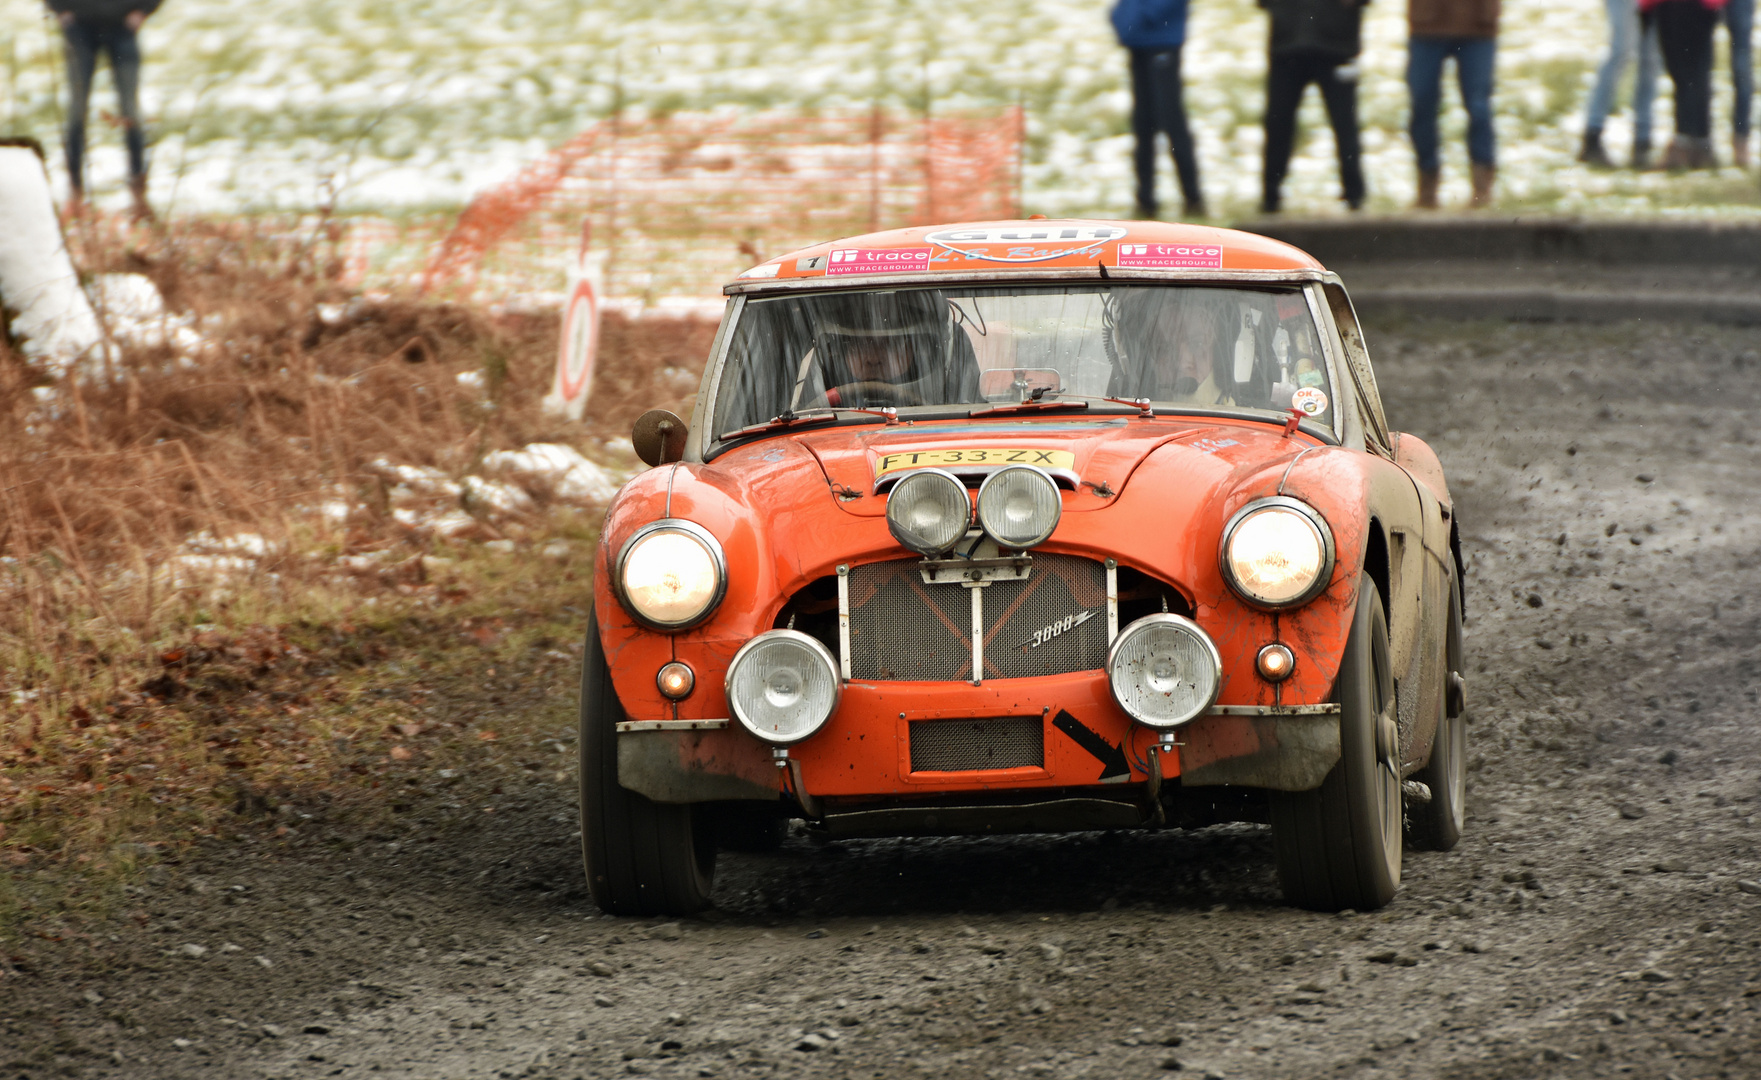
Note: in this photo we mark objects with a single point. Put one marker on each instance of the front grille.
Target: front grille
(1009, 742)
(902, 629)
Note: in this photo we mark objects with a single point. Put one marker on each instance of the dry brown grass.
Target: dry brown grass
(115, 651)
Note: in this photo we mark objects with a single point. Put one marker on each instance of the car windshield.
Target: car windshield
(1179, 346)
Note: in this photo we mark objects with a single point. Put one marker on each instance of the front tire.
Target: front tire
(1438, 823)
(1339, 846)
(642, 857)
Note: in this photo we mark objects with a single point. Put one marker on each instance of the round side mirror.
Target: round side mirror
(659, 437)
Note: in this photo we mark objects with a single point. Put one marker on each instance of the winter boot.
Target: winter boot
(1675, 155)
(1641, 157)
(1701, 155)
(1739, 150)
(1592, 154)
(137, 191)
(1428, 182)
(1483, 177)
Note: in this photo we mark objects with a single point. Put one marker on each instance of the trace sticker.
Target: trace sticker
(1171, 256)
(876, 260)
(1309, 401)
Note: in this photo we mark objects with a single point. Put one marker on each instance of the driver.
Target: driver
(1181, 343)
(881, 349)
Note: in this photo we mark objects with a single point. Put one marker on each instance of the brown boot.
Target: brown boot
(1483, 177)
(1428, 182)
(1739, 151)
(1675, 155)
(138, 208)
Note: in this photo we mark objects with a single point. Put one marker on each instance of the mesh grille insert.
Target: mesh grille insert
(1052, 623)
(1009, 742)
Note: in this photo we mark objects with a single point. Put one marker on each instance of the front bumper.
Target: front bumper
(863, 754)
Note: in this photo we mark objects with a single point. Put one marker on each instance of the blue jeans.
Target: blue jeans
(1739, 16)
(84, 41)
(1624, 32)
(1474, 58)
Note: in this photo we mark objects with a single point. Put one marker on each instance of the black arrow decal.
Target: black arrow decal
(1111, 757)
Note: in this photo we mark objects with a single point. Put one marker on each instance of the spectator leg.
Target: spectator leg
(82, 60)
(1286, 79)
(1340, 96)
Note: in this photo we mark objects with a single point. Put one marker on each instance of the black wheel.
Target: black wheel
(1339, 846)
(747, 826)
(1437, 824)
(643, 857)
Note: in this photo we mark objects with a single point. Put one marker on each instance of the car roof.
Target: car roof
(1078, 248)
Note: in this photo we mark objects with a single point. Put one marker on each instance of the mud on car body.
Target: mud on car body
(1027, 526)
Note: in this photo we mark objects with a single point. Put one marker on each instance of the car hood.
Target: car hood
(1095, 457)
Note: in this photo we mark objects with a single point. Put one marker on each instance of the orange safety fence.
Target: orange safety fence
(681, 203)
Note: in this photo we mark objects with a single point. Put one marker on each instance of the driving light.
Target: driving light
(1277, 552)
(928, 511)
(782, 686)
(675, 680)
(671, 574)
(1164, 670)
(1019, 506)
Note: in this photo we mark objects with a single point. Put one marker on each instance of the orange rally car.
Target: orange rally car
(1027, 526)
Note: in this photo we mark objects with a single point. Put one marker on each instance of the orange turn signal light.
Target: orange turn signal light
(1275, 663)
(675, 680)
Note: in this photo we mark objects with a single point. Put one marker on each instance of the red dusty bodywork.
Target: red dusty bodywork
(1176, 481)
(1155, 494)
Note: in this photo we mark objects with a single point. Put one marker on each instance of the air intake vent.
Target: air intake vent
(903, 629)
(1008, 742)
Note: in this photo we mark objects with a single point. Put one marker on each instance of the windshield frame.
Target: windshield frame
(705, 444)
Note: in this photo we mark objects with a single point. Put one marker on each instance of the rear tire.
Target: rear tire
(642, 857)
(1438, 824)
(1339, 846)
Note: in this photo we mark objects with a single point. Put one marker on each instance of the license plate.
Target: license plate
(989, 456)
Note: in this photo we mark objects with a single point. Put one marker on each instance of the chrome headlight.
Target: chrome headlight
(1019, 506)
(671, 574)
(1164, 670)
(782, 686)
(1277, 552)
(928, 511)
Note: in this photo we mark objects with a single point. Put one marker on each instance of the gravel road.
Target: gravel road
(1601, 917)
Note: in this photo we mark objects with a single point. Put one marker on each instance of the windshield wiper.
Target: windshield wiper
(1038, 401)
(1008, 407)
(818, 415)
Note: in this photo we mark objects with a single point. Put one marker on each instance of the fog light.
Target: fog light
(1164, 670)
(783, 686)
(1275, 663)
(675, 680)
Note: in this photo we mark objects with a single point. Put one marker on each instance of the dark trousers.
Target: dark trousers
(1157, 106)
(84, 42)
(1287, 77)
(1684, 29)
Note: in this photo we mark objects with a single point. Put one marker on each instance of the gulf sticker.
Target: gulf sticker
(1309, 401)
(1171, 256)
(876, 260)
(991, 455)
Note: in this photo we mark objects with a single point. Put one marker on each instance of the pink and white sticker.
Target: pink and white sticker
(876, 260)
(1171, 256)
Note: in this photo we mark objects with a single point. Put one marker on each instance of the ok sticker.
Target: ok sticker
(1309, 400)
